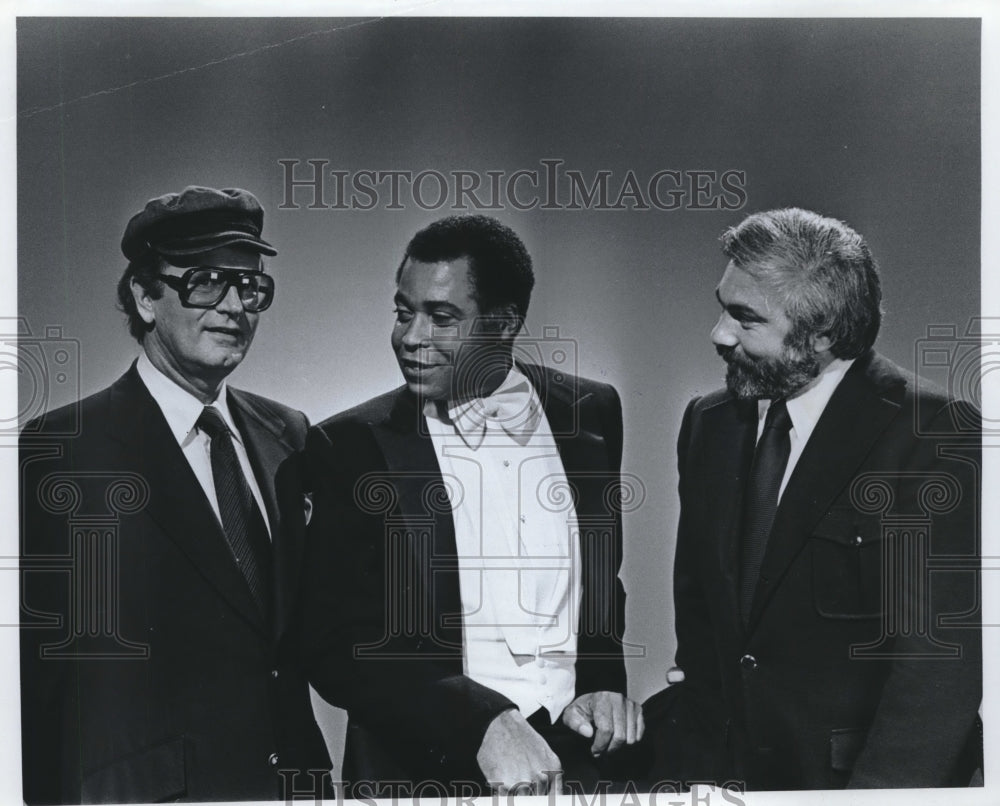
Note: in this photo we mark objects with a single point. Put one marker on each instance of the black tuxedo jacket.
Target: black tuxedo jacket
(147, 671)
(861, 661)
(383, 610)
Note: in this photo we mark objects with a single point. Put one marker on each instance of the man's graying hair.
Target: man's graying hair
(820, 270)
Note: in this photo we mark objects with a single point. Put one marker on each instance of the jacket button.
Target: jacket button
(273, 759)
(274, 673)
(748, 662)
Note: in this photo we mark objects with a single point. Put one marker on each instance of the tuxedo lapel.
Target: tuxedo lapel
(267, 449)
(424, 507)
(177, 503)
(576, 424)
(582, 448)
(859, 411)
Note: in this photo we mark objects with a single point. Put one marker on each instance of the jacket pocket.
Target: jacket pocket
(845, 747)
(151, 775)
(847, 573)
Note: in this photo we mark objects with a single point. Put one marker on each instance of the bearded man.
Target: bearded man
(818, 490)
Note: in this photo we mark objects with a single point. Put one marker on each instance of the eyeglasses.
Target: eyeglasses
(207, 286)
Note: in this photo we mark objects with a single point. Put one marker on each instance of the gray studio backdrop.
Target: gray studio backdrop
(872, 121)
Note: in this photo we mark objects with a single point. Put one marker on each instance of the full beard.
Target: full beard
(772, 378)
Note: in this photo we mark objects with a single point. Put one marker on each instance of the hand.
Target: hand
(514, 757)
(611, 718)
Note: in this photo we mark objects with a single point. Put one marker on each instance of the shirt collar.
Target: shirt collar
(471, 419)
(180, 408)
(807, 406)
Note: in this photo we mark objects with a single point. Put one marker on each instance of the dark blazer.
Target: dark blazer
(383, 611)
(858, 667)
(147, 671)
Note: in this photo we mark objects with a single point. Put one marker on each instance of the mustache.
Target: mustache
(726, 352)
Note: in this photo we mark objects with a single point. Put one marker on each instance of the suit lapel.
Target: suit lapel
(862, 407)
(262, 436)
(177, 502)
(730, 436)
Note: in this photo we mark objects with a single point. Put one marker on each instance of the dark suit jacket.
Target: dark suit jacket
(858, 666)
(383, 611)
(147, 671)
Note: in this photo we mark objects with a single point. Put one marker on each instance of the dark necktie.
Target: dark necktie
(241, 517)
(761, 501)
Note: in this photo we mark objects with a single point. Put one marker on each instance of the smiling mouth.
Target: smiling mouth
(417, 365)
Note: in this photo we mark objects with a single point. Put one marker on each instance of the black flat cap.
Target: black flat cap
(196, 220)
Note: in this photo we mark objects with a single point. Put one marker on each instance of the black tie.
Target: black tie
(241, 518)
(761, 500)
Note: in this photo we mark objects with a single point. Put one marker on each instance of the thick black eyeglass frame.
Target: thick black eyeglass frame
(233, 277)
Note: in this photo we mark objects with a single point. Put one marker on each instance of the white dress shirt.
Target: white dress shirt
(517, 539)
(804, 410)
(182, 410)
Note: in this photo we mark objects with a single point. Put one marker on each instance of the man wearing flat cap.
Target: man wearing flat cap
(161, 543)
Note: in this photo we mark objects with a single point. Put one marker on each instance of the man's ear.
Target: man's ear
(508, 322)
(143, 302)
(821, 344)
(501, 322)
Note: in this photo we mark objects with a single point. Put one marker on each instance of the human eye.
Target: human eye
(251, 281)
(403, 315)
(443, 318)
(205, 280)
(744, 317)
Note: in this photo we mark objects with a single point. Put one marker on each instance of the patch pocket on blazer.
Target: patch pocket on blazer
(151, 775)
(847, 565)
(845, 747)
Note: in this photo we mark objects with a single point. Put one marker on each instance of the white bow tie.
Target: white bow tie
(515, 410)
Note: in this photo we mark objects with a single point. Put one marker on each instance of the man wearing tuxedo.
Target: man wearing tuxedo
(817, 490)
(161, 543)
(463, 600)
